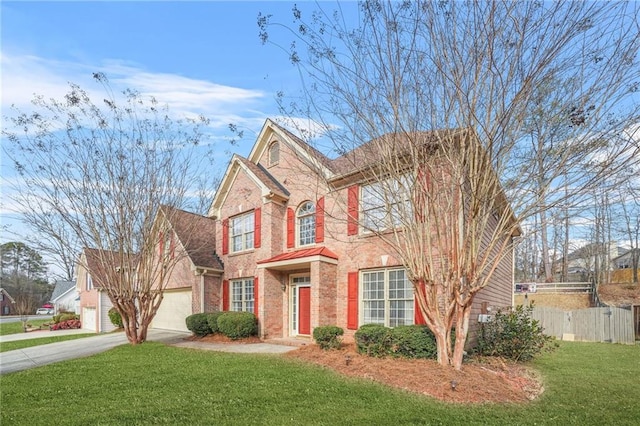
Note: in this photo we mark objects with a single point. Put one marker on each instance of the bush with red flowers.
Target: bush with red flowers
(66, 325)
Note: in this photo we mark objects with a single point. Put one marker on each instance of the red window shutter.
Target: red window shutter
(225, 295)
(352, 210)
(291, 230)
(225, 236)
(320, 220)
(257, 227)
(255, 296)
(352, 301)
(161, 245)
(418, 318)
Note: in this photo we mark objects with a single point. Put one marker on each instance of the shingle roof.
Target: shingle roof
(313, 152)
(97, 261)
(197, 234)
(61, 288)
(265, 177)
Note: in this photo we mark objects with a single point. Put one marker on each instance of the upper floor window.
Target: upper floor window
(274, 153)
(242, 229)
(89, 285)
(386, 204)
(306, 224)
(387, 298)
(242, 298)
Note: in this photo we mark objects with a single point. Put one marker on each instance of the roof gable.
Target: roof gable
(270, 188)
(196, 234)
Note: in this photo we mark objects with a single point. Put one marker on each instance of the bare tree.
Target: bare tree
(94, 175)
(476, 70)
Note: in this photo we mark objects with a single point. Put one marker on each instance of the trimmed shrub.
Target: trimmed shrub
(66, 325)
(65, 316)
(514, 335)
(115, 317)
(236, 325)
(198, 325)
(413, 341)
(328, 336)
(212, 320)
(374, 340)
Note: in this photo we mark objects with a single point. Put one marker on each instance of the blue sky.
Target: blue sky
(198, 57)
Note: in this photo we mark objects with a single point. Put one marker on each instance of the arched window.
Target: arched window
(274, 153)
(306, 223)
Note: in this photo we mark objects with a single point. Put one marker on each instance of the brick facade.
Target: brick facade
(250, 184)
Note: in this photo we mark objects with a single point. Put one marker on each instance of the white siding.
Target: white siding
(105, 304)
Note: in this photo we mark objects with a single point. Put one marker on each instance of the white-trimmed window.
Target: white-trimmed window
(241, 229)
(387, 298)
(89, 285)
(242, 295)
(386, 203)
(306, 219)
(274, 153)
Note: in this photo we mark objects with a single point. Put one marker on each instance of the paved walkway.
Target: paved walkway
(36, 356)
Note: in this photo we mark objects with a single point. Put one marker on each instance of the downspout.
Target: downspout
(202, 292)
(99, 312)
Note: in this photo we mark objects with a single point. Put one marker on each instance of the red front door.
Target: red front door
(304, 310)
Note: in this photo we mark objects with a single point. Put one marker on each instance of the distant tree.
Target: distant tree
(24, 275)
(477, 70)
(94, 175)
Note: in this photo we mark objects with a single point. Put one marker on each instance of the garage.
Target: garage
(88, 320)
(174, 309)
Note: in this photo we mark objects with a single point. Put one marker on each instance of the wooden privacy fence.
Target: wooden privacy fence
(613, 325)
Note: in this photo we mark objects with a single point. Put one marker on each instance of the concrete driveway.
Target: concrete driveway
(36, 356)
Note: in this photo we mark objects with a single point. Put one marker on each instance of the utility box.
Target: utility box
(484, 318)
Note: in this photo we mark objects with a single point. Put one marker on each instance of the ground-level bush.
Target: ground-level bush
(236, 325)
(513, 334)
(328, 336)
(115, 318)
(373, 340)
(65, 316)
(413, 341)
(66, 325)
(198, 324)
(212, 320)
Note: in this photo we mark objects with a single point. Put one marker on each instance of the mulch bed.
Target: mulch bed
(481, 380)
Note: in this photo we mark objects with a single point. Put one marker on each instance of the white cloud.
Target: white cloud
(26, 75)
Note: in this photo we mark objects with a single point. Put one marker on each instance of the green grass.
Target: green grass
(156, 384)
(21, 344)
(16, 327)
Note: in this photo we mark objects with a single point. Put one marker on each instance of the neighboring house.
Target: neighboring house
(625, 260)
(64, 296)
(292, 256)
(7, 303)
(94, 301)
(589, 258)
(195, 278)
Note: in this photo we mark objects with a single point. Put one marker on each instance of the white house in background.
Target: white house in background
(64, 296)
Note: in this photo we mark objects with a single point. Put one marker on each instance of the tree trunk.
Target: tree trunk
(443, 344)
(462, 328)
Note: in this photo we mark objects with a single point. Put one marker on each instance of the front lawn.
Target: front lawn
(21, 344)
(155, 384)
(16, 327)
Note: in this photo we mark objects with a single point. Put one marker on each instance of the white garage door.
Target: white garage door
(175, 307)
(88, 320)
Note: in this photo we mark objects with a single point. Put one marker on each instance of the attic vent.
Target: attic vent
(274, 153)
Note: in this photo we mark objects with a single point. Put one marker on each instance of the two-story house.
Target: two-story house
(295, 253)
